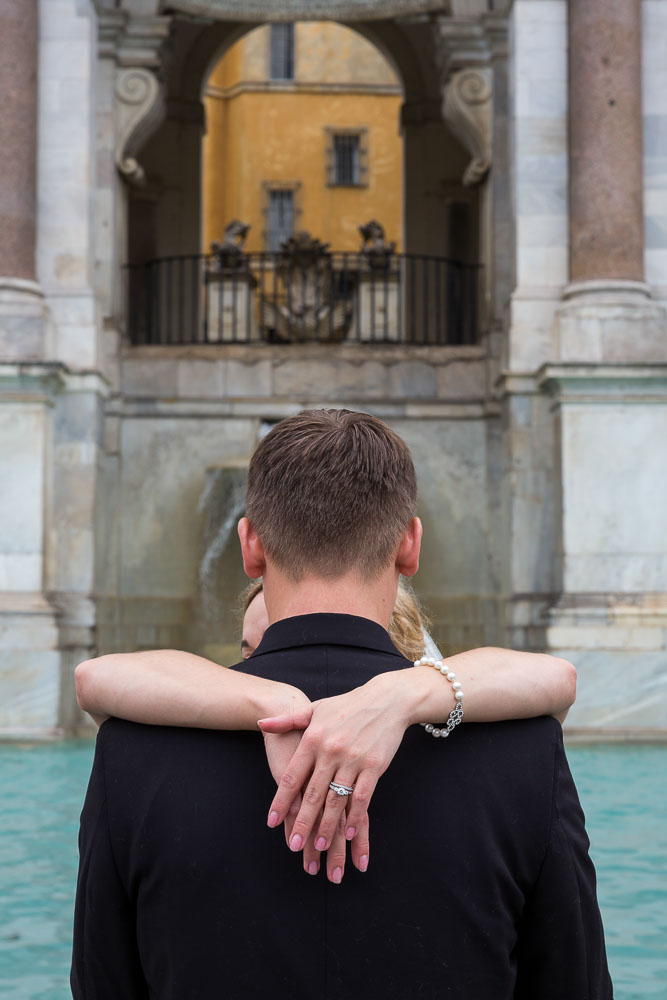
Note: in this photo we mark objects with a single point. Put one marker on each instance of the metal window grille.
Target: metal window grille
(346, 160)
(282, 52)
(281, 217)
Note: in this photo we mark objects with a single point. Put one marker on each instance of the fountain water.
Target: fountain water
(215, 627)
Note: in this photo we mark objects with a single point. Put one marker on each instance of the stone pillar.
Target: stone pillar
(605, 134)
(608, 384)
(18, 132)
(21, 307)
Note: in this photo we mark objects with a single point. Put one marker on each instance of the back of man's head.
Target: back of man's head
(330, 492)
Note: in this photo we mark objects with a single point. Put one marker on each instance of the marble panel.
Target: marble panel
(23, 431)
(540, 98)
(655, 262)
(542, 266)
(629, 572)
(541, 198)
(253, 379)
(163, 468)
(461, 380)
(200, 379)
(602, 446)
(542, 230)
(150, 377)
(450, 458)
(603, 696)
(20, 571)
(30, 685)
(412, 378)
(329, 380)
(541, 137)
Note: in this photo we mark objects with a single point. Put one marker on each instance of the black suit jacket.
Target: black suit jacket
(479, 886)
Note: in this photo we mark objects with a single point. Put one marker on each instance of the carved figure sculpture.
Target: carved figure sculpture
(229, 252)
(306, 308)
(374, 243)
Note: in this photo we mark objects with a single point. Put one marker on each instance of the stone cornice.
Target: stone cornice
(132, 41)
(604, 383)
(594, 383)
(467, 42)
(302, 87)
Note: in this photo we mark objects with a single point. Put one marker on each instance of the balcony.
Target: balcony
(303, 294)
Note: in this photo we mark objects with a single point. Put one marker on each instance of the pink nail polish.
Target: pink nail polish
(363, 862)
(273, 818)
(320, 844)
(313, 868)
(337, 875)
(350, 832)
(296, 842)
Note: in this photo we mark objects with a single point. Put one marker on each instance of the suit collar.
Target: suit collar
(326, 630)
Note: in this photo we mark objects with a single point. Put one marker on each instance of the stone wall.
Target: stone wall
(186, 411)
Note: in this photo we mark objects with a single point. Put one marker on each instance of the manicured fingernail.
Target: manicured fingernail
(273, 818)
(296, 842)
(337, 875)
(363, 862)
(350, 832)
(320, 844)
(313, 868)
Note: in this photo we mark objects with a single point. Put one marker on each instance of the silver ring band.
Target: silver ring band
(341, 789)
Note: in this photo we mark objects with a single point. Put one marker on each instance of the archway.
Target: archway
(440, 216)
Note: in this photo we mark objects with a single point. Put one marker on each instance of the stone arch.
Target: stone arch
(165, 219)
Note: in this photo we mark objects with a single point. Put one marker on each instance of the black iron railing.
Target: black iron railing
(266, 297)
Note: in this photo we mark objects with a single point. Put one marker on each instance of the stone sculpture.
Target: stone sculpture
(306, 308)
(229, 252)
(374, 245)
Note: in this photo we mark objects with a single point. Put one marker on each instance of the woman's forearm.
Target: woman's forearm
(170, 687)
(498, 684)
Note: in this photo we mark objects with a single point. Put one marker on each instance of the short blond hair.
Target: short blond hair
(406, 625)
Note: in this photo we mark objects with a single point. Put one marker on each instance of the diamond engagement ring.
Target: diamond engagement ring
(341, 789)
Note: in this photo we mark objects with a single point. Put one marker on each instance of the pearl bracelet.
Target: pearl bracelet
(456, 715)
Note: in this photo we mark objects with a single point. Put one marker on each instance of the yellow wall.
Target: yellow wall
(260, 131)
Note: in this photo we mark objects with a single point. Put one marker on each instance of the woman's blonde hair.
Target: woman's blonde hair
(406, 625)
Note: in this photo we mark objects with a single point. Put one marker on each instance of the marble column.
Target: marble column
(608, 389)
(18, 133)
(605, 134)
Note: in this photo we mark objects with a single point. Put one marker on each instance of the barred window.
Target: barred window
(281, 60)
(347, 157)
(280, 225)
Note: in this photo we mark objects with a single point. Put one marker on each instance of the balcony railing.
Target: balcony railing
(339, 297)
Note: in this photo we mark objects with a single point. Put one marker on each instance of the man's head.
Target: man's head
(331, 492)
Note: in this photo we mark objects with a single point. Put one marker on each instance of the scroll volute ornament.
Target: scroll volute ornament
(467, 109)
(140, 108)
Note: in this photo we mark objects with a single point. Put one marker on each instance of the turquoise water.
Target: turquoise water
(623, 791)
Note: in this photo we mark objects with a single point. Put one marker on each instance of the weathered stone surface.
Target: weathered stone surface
(156, 377)
(603, 672)
(462, 380)
(18, 128)
(605, 134)
(248, 379)
(412, 378)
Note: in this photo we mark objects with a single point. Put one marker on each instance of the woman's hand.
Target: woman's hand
(280, 749)
(351, 739)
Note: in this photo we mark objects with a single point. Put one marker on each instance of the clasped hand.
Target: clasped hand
(351, 739)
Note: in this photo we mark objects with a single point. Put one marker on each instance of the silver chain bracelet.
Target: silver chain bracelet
(456, 714)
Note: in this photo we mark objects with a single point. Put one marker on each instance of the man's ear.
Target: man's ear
(252, 550)
(407, 559)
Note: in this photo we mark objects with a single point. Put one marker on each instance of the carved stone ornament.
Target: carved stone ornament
(467, 109)
(140, 108)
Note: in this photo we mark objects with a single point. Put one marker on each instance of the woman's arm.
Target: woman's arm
(352, 738)
(172, 688)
